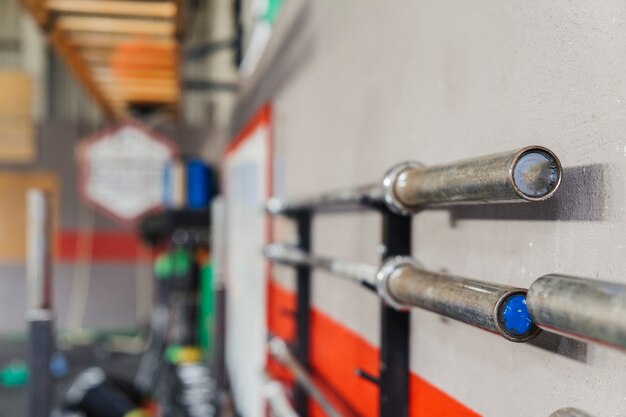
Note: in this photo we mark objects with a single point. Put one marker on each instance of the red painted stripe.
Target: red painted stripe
(336, 352)
(100, 246)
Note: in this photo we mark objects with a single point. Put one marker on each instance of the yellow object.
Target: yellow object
(183, 354)
(137, 412)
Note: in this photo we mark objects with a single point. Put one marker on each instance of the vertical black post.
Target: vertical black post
(394, 327)
(41, 341)
(303, 295)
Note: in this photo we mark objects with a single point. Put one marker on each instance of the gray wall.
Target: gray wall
(362, 85)
(112, 295)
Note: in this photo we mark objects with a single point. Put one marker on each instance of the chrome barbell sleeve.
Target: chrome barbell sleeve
(532, 173)
(500, 309)
(580, 307)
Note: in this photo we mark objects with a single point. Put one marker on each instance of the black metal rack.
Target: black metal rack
(527, 174)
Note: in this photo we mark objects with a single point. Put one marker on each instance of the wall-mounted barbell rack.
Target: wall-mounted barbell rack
(579, 307)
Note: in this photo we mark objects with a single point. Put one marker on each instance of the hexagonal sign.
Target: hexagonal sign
(120, 170)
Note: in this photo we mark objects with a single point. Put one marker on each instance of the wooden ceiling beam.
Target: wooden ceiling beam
(110, 40)
(157, 82)
(104, 71)
(37, 10)
(81, 70)
(153, 9)
(113, 25)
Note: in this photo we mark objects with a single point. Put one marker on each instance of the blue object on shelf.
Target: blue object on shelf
(199, 184)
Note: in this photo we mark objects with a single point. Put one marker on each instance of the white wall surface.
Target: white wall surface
(379, 82)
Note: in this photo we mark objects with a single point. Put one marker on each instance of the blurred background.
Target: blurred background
(73, 73)
(141, 140)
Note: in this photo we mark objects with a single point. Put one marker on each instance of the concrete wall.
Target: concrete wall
(361, 85)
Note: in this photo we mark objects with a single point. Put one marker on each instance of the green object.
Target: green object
(171, 353)
(273, 8)
(174, 264)
(14, 374)
(181, 262)
(206, 310)
(163, 267)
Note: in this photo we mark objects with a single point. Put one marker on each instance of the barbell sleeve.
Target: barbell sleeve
(532, 173)
(500, 309)
(580, 307)
(402, 283)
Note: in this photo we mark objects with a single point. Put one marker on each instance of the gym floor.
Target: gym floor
(13, 400)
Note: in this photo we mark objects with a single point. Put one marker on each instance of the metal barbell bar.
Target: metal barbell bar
(578, 307)
(280, 351)
(403, 283)
(532, 173)
(355, 271)
(277, 400)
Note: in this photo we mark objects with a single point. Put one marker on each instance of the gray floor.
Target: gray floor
(13, 401)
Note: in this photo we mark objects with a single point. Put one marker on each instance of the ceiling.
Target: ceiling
(125, 53)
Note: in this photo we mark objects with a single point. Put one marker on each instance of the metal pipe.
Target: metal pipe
(277, 400)
(500, 309)
(279, 351)
(38, 250)
(579, 307)
(532, 173)
(350, 197)
(355, 271)
(40, 316)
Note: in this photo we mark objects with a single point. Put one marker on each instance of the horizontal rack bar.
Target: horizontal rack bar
(280, 351)
(532, 173)
(578, 307)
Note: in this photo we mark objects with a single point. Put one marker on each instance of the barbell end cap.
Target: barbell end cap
(514, 321)
(536, 173)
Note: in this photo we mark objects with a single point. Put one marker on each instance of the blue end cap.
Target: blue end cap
(515, 317)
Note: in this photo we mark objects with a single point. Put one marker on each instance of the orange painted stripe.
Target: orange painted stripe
(429, 401)
(100, 246)
(336, 352)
